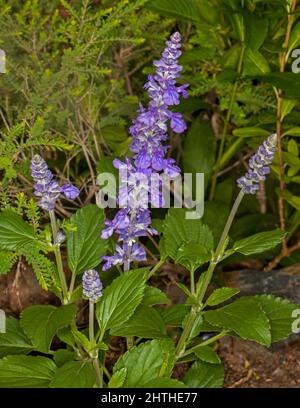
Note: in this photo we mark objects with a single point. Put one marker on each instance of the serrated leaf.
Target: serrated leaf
(279, 312)
(41, 323)
(146, 322)
(26, 372)
(204, 375)
(180, 233)
(118, 378)
(220, 295)
(154, 296)
(14, 231)
(85, 246)
(14, 340)
(7, 260)
(120, 299)
(165, 383)
(74, 374)
(174, 315)
(207, 354)
(258, 243)
(245, 317)
(147, 362)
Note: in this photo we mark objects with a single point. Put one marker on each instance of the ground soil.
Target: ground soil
(249, 365)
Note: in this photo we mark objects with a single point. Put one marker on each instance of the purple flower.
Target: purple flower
(258, 166)
(137, 184)
(45, 187)
(70, 191)
(91, 285)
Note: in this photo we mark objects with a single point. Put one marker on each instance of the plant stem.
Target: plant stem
(155, 268)
(58, 258)
(282, 63)
(205, 343)
(99, 372)
(226, 124)
(201, 290)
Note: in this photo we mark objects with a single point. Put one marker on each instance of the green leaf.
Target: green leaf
(183, 9)
(255, 63)
(287, 81)
(85, 247)
(118, 378)
(180, 233)
(250, 132)
(174, 315)
(258, 243)
(154, 296)
(120, 299)
(41, 322)
(192, 256)
(245, 317)
(204, 375)
(147, 362)
(199, 150)
(26, 372)
(14, 231)
(207, 354)
(279, 312)
(63, 356)
(295, 131)
(165, 383)
(294, 40)
(14, 340)
(146, 322)
(220, 295)
(74, 374)
(256, 30)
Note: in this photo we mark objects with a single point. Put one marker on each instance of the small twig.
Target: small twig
(271, 265)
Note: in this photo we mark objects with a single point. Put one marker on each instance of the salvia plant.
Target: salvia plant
(103, 263)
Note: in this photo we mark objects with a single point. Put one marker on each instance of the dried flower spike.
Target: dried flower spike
(259, 166)
(92, 285)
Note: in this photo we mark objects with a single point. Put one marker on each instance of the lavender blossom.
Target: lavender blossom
(70, 191)
(149, 133)
(91, 285)
(259, 166)
(45, 187)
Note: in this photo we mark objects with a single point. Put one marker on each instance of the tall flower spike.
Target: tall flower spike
(258, 166)
(45, 187)
(149, 134)
(91, 285)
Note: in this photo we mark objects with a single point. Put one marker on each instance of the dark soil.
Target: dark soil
(249, 365)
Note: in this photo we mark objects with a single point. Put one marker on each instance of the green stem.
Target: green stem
(192, 279)
(201, 290)
(155, 268)
(205, 343)
(226, 124)
(220, 248)
(58, 258)
(99, 372)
